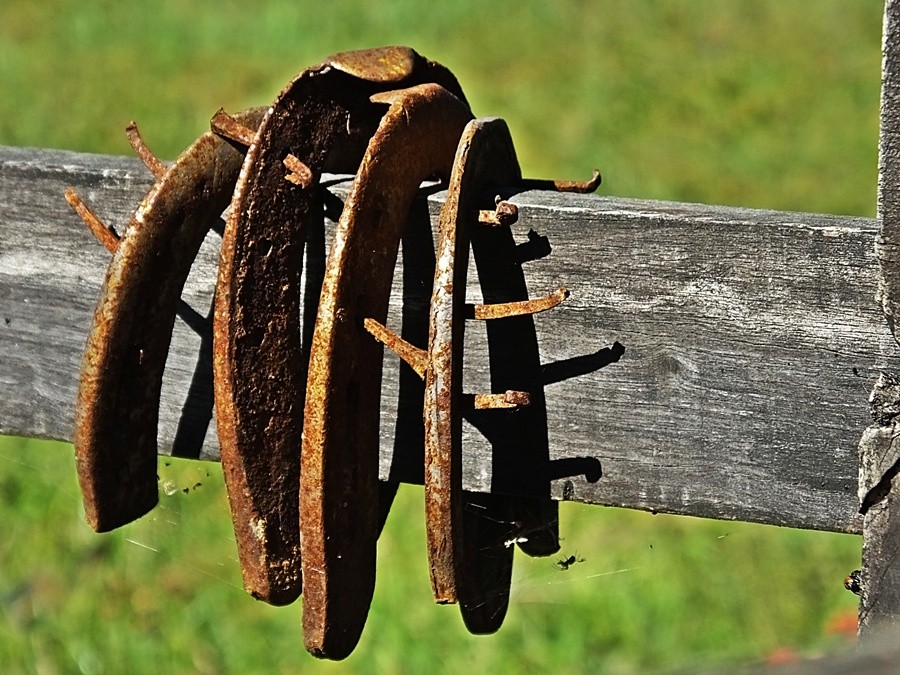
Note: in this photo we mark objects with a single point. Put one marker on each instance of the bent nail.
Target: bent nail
(506, 309)
(505, 213)
(104, 234)
(580, 186)
(508, 399)
(157, 168)
(300, 174)
(228, 127)
(415, 358)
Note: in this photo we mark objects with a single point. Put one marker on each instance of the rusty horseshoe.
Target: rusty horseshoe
(118, 397)
(467, 532)
(417, 138)
(321, 121)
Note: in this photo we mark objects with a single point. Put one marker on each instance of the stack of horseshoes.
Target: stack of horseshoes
(298, 423)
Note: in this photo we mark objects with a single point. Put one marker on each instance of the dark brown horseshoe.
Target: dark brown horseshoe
(417, 138)
(321, 121)
(118, 398)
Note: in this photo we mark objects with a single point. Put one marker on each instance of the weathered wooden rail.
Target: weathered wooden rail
(711, 361)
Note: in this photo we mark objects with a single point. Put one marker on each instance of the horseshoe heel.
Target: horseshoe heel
(321, 121)
(117, 411)
(417, 138)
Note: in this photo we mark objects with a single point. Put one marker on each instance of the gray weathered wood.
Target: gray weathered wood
(879, 455)
(711, 361)
(879, 451)
(887, 244)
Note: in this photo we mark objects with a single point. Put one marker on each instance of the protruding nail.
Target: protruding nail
(508, 399)
(582, 186)
(157, 168)
(505, 309)
(300, 174)
(105, 235)
(416, 358)
(504, 214)
(226, 126)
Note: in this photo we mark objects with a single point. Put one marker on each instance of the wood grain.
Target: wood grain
(710, 361)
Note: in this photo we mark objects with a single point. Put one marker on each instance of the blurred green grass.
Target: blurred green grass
(760, 103)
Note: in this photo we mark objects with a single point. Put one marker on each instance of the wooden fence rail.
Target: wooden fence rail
(710, 361)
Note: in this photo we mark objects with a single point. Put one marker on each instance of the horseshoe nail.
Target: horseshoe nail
(224, 125)
(506, 400)
(118, 397)
(503, 214)
(419, 361)
(300, 174)
(102, 232)
(503, 310)
(415, 358)
(417, 138)
(580, 186)
(156, 167)
(322, 121)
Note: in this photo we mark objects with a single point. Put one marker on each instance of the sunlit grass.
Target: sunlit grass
(771, 104)
(164, 593)
(768, 104)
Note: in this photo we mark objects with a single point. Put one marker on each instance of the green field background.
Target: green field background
(770, 104)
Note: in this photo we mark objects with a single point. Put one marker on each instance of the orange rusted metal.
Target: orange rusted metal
(507, 400)
(469, 559)
(467, 532)
(579, 186)
(118, 397)
(321, 121)
(395, 119)
(415, 358)
(501, 310)
(227, 126)
(298, 172)
(503, 214)
(156, 167)
(465, 565)
(101, 231)
(416, 139)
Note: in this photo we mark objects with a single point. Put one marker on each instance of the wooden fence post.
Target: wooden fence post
(879, 451)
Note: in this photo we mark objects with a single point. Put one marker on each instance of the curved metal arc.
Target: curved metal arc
(321, 121)
(118, 398)
(463, 565)
(417, 138)
(470, 560)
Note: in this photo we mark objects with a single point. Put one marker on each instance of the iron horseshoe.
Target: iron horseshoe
(117, 410)
(417, 138)
(321, 121)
